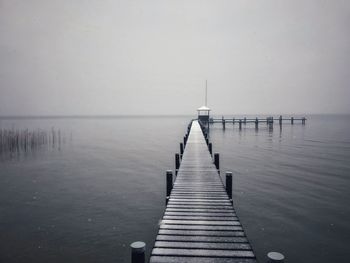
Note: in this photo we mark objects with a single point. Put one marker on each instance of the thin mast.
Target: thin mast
(206, 92)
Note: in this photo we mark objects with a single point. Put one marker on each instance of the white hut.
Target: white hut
(203, 114)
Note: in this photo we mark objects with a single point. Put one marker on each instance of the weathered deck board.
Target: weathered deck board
(202, 245)
(167, 259)
(218, 239)
(200, 223)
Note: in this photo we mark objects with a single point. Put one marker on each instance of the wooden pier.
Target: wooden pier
(268, 120)
(200, 223)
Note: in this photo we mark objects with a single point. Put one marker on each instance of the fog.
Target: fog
(153, 57)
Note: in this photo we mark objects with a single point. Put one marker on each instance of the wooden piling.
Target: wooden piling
(240, 124)
(256, 123)
(217, 161)
(169, 183)
(280, 120)
(138, 250)
(245, 120)
(292, 120)
(177, 162)
(210, 147)
(270, 123)
(181, 149)
(229, 184)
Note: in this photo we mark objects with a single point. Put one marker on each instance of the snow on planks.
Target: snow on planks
(200, 223)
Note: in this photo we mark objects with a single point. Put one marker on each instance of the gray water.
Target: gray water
(104, 187)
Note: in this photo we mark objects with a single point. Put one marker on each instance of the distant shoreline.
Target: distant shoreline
(151, 116)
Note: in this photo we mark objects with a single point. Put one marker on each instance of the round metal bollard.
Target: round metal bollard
(274, 257)
(138, 250)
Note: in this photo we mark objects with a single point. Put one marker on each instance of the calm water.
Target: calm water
(104, 188)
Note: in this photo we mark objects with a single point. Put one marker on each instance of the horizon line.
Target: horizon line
(146, 115)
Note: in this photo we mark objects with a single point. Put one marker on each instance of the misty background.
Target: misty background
(153, 57)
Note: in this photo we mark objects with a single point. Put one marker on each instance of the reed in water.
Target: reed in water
(17, 141)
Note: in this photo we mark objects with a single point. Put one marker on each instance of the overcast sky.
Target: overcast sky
(66, 57)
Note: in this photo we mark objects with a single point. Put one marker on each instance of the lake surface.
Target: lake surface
(87, 199)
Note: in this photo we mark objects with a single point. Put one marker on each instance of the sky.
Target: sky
(93, 57)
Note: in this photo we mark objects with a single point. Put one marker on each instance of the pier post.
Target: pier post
(185, 140)
(233, 121)
(223, 123)
(169, 184)
(292, 120)
(245, 120)
(210, 146)
(138, 250)
(181, 149)
(280, 120)
(303, 120)
(229, 184)
(256, 123)
(207, 140)
(177, 163)
(217, 161)
(274, 257)
(240, 124)
(189, 127)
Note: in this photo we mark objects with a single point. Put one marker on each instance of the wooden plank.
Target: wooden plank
(191, 213)
(186, 200)
(202, 245)
(190, 195)
(167, 259)
(208, 207)
(220, 239)
(200, 204)
(201, 227)
(201, 233)
(202, 197)
(200, 222)
(189, 209)
(208, 218)
(224, 207)
(199, 200)
(202, 253)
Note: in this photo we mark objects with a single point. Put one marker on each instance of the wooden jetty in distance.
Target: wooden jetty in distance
(200, 223)
(268, 120)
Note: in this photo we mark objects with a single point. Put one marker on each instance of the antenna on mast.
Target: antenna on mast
(206, 92)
